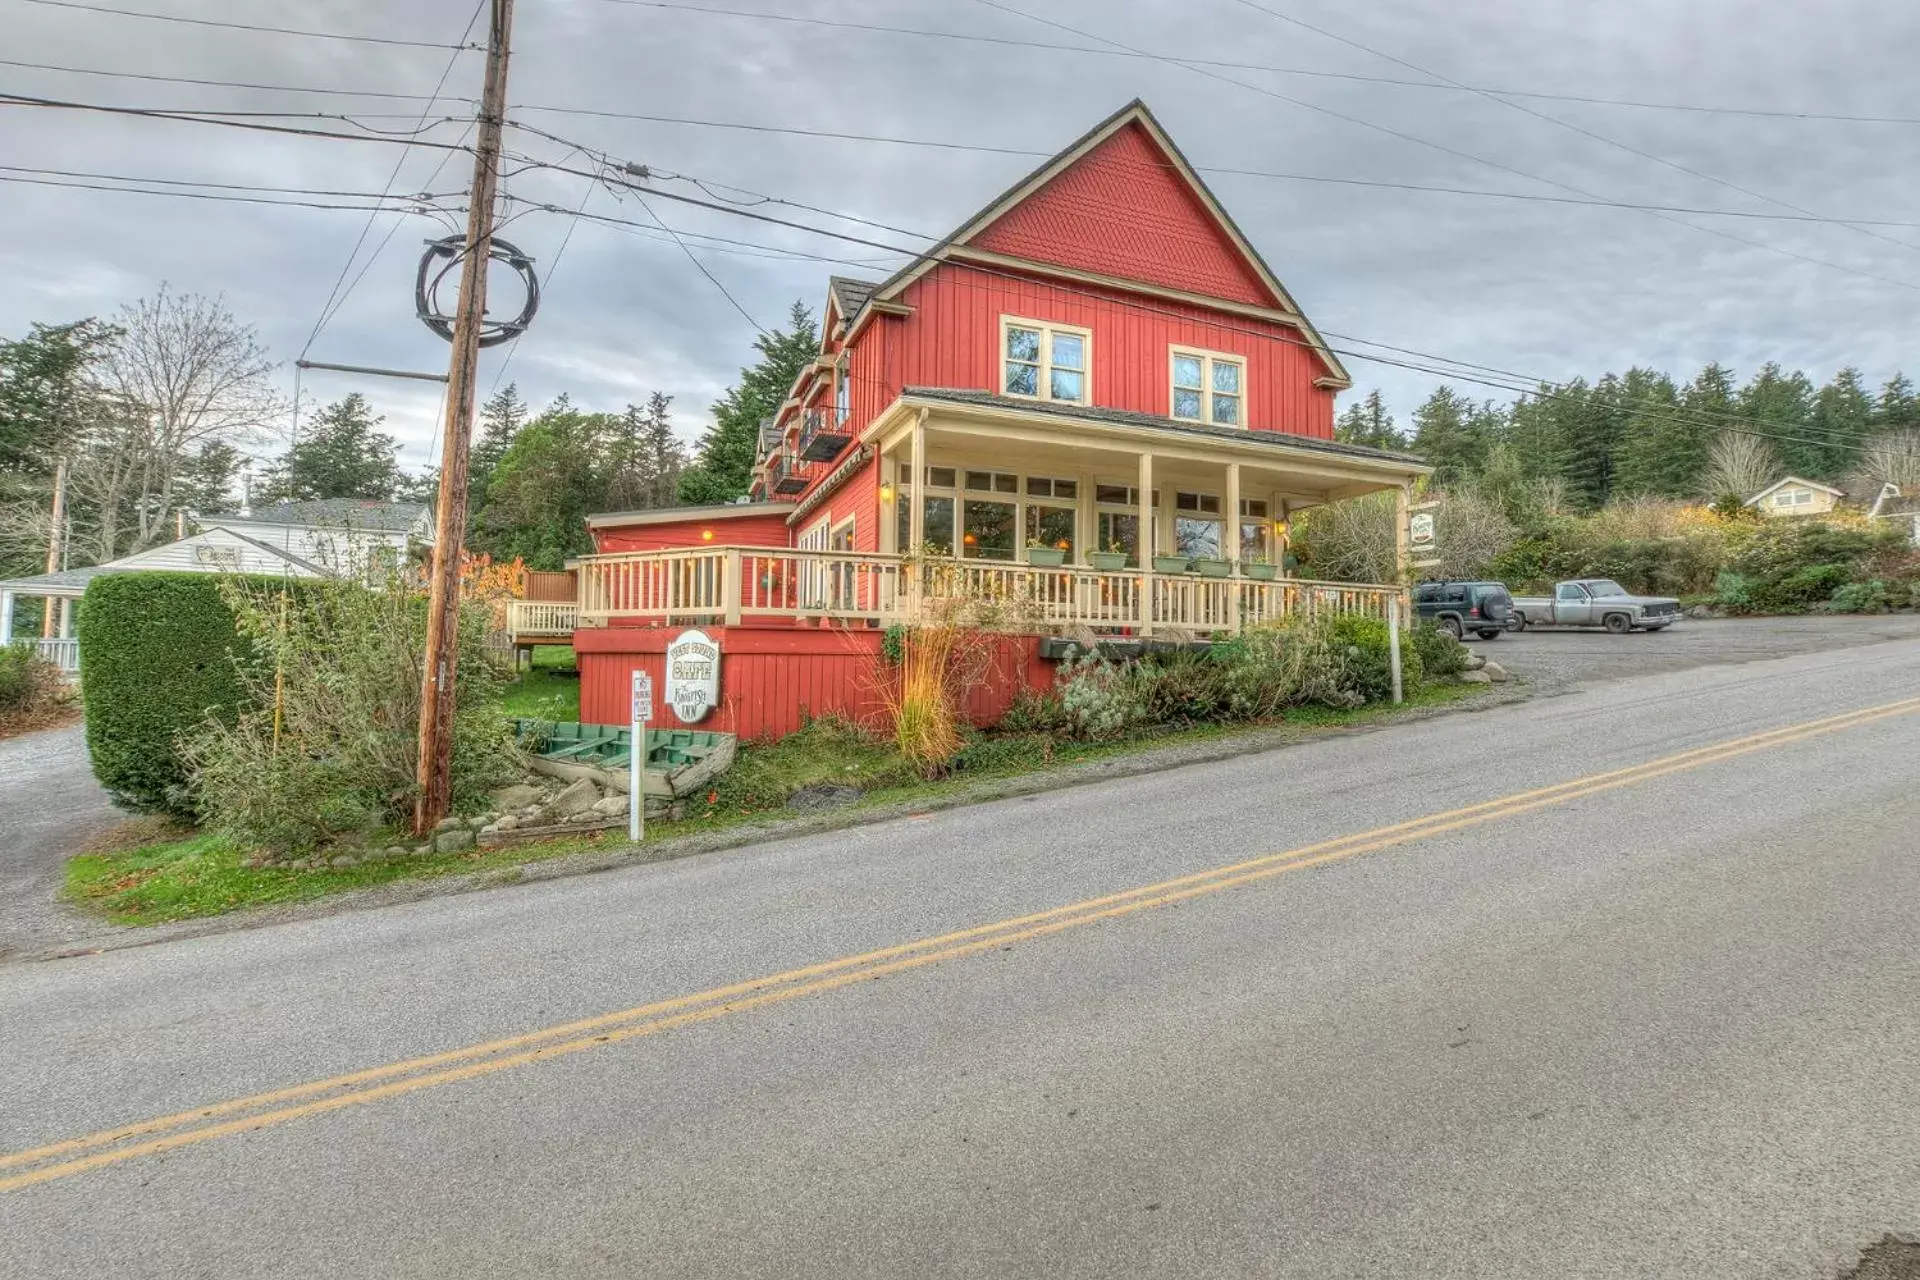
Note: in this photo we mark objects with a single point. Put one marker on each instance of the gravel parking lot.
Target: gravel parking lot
(1559, 661)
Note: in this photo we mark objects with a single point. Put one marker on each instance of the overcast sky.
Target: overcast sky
(1546, 289)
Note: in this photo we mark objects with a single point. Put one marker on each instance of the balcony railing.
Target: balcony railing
(787, 475)
(822, 438)
(732, 585)
(541, 618)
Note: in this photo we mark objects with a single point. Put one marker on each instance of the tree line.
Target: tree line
(166, 408)
(1642, 434)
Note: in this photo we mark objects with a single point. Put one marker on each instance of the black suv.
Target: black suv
(1460, 607)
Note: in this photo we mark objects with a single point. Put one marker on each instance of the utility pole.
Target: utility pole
(450, 519)
(47, 623)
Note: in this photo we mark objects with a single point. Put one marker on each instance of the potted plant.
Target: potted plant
(1170, 564)
(1212, 566)
(1039, 553)
(1113, 559)
(1259, 568)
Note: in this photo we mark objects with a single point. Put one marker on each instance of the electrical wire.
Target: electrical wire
(1444, 148)
(8, 98)
(335, 297)
(226, 84)
(243, 26)
(1773, 113)
(223, 186)
(552, 268)
(211, 195)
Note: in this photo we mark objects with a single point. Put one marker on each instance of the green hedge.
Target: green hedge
(157, 652)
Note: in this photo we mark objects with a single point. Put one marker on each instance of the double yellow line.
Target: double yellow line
(259, 1111)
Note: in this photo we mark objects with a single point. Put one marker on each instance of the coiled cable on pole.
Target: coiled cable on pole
(440, 259)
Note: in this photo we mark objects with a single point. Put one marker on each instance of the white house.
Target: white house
(1898, 504)
(1792, 496)
(321, 539)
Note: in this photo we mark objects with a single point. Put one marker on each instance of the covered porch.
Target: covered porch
(60, 593)
(1032, 519)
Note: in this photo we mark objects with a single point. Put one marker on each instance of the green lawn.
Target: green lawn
(203, 875)
(541, 693)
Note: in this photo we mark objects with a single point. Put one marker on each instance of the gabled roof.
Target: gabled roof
(1135, 113)
(849, 295)
(1784, 481)
(373, 514)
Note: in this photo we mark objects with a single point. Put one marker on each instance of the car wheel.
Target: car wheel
(1489, 635)
(1619, 623)
(1518, 622)
(1452, 627)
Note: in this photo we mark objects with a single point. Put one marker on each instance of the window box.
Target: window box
(1259, 571)
(1170, 564)
(1049, 557)
(1212, 567)
(1108, 561)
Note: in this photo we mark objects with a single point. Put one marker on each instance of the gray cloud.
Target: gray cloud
(1539, 288)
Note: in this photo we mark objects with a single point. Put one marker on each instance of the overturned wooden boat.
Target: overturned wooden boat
(678, 762)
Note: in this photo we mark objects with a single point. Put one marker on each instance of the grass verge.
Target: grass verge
(184, 875)
(541, 693)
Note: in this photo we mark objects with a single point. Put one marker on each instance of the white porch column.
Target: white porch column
(66, 617)
(1230, 538)
(1144, 536)
(917, 513)
(6, 617)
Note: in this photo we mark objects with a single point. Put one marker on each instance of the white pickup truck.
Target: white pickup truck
(1595, 602)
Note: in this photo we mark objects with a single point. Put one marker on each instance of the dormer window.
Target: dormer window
(842, 392)
(1209, 386)
(1043, 361)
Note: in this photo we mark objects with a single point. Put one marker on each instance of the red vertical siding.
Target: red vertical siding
(1123, 210)
(774, 679)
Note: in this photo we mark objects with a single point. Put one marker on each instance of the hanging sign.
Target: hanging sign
(1420, 531)
(693, 675)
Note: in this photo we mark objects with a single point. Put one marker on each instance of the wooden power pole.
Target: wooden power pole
(450, 519)
(55, 540)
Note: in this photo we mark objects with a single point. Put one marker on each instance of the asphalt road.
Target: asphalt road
(1665, 1022)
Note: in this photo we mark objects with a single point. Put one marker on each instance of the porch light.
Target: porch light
(706, 535)
(1280, 528)
(886, 493)
(970, 539)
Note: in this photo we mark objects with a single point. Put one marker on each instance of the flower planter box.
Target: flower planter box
(1208, 567)
(1048, 557)
(1259, 572)
(1170, 564)
(1107, 561)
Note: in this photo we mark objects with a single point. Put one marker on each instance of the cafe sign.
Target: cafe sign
(693, 675)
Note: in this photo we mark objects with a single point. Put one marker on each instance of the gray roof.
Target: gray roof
(65, 582)
(330, 513)
(769, 434)
(1128, 418)
(850, 295)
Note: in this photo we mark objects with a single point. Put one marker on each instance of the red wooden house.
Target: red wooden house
(1094, 402)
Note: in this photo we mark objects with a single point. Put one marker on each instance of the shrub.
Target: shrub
(1731, 594)
(1792, 566)
(1440, 654)
(1093, 696)
(1361, 647)
(339, 761)
(1859, 597)
(28, 682)
(1034, 712)
(938, 664)
(1175, 689)
(159, 651)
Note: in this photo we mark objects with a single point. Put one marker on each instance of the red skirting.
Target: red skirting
(773, 678)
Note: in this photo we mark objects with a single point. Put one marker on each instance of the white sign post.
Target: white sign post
(637, 756)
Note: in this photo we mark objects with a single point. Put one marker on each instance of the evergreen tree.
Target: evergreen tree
(501, 418)
(1897, 408)
(1535, 435)
(551, 478)
(205, 482)
(1367, 422)
(723, 461)
(647, 458)
(1779, 406)
(1841, 421)
(48, 393)
(1452, 435)
(341, 454)
(1649, 405)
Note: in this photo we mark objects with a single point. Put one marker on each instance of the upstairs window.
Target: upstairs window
(1209, 387)
(842, 393)
(1044, 361)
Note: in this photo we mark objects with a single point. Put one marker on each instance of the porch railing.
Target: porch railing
(64, 654)
(729, 585)
(541, 618)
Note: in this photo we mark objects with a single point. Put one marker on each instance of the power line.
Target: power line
(329, 308)
(210, 195)
(1771, 113)
(222, 84)
(8, 98)
(243, 26)
(1445, 149)
(552, 268)
(1582, 131)
(223, 186)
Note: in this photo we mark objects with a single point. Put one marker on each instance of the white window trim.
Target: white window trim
(1207, 360)
(843, 392)
(1044, 383)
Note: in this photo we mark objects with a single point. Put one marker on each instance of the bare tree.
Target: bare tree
(183, 373)
(1353, 541)
(1739, 464)
(1893, 458)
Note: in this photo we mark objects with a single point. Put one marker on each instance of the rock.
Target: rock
(455, 841)
(341, 863)
(823, 795)
(1702, 611)
(517, 796)
(1475, 677)
(449, 822)
(1475, 661)
(1495, 672)
(612, 806)
(574, 801)
(396, 851)
(529, 813)
(507, 823)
